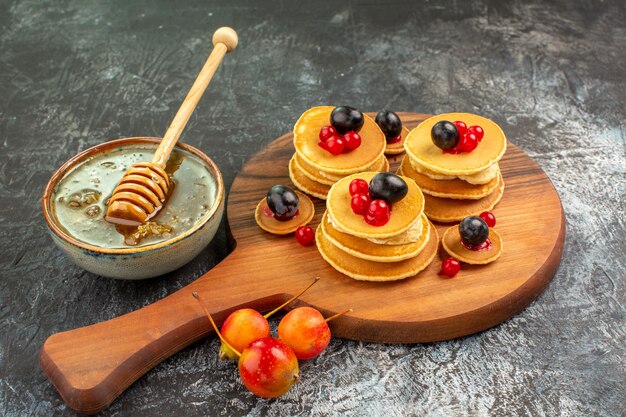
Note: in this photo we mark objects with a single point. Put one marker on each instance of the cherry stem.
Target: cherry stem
(339, 315)
(291, 299)
(206, 311)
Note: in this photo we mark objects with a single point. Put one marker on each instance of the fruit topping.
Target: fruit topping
(305, 235)
(468, 142)
(346, 119)
(450, 267)
(478, 131)
(283, 202)
(351, 140)
(360, 202)
(306, 331)
(489, 218)
(445, 135)
(394, 140)
(378, 213)
(327, 132)
(474, 231)
(390, 124)
(461, 127)
(359, 186)
(335, 145)
(388, 186)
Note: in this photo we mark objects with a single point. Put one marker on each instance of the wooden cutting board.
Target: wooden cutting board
(92, 365)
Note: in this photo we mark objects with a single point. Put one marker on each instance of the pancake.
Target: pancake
(306, 211)
(362, 269)
(306, 184)
(451, 242)
(306, 137)
(398, 147)
(403, 214)
(364, 249)
(454, 189)
(412, 234)
(420, 147)
(482, 177)
(381, 165)
(310, 172)
(446, 210)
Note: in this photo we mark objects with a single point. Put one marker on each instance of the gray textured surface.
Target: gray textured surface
(74, 73)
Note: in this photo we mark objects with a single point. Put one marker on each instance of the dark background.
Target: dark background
(553, 74)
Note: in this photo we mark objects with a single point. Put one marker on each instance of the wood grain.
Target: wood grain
(91, 366)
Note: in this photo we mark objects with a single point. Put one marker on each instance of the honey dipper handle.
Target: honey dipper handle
(224, 41)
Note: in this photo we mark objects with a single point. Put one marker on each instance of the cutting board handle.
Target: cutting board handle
(92, 365)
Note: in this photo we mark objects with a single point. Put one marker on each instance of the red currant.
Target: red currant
(468, 142)
(359, 186)
(352, 140)
(378, 213)
(450, 267)
(461, 127)
(394, 140)
(327, 132)
(360, 203)
(335, 145)
(489, 218)
(322, 145)
(305, 235)
(478, 131)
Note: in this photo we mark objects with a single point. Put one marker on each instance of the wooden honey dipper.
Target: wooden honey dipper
(141, 192)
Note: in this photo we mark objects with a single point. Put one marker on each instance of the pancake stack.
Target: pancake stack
(455, 185)
(314, 170)
(401, 248)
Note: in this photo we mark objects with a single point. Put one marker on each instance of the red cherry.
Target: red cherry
(450, 267)
(327, 132)
(468, 142)
(478, 131)
(461, 127)
(360, 203)
(359, 186)
(335, 145)
(378, 213)
(305, 235)
(352, 140)
(489, 218)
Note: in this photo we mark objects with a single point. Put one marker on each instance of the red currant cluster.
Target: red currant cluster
(450, 266)
(268, 366)
(375, 211)
(469, 137)
(335, 143)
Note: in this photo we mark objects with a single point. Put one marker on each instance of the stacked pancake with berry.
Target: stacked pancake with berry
(374, 228)
(332, 143)
(454, 158)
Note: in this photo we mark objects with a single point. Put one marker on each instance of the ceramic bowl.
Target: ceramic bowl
(143, 261)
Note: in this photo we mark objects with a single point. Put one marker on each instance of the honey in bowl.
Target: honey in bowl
(78, 202)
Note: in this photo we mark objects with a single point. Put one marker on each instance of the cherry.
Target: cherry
(478, 131)
(305, 235)
(473, 230)
(450, 267)
(351, 140)
(306, 331)
(489, 218)
(461, 127)
(378, 213)
(327, 132)
(359, 203)
(468, 142)
(444, 135)
(246, 325)
(267, 366)
(344, 119)
(359, 186)
(335, 145)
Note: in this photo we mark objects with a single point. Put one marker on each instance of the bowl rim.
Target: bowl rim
(108, 146)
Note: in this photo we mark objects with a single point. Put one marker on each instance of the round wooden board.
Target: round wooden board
(92, 365)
